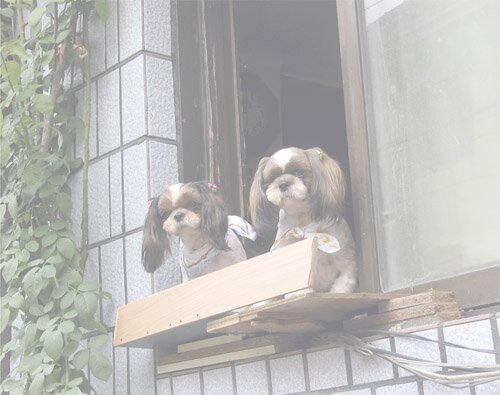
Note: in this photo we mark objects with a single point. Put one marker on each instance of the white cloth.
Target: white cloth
(326, 242)
(241, 227)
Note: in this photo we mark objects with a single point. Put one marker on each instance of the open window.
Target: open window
(417, 137)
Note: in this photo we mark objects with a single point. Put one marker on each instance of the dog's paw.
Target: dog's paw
(343, 285)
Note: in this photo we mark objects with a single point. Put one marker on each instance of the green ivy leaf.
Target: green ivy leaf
(4, 318)
(53, 344)
(36, 16)
(48, 271)
(86, 304)
(66, 247)
(100, 367)
(68, 299)
(63, 201)
(36, 310)
(67, 326)
(41, 231)
(29, 335)
(17, 301)
(49, 239)
(98, 341)
(12, 70)
(48, 306)
(43, 103)
(61, 36)
(42, 322)
(9, 269)
(32, 246)
(36, 386)
(70, 314)
(102, 9)
(12, 205)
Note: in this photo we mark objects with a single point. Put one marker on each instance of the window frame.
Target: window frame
(474, 289)
(208, 126)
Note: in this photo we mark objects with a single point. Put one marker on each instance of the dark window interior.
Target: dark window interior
(290, 81)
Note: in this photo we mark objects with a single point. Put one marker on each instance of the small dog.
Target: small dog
(195, 213)
(300, 193)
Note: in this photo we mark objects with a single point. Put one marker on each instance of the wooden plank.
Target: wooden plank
(325, 307)
(141, 323)
(213, 341)
(400, 315)
(248, 348)
(430, 296)
(287, 326)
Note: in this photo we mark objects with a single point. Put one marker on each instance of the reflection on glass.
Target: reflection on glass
(432, 86)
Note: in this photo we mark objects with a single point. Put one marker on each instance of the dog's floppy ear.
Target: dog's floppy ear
(328, 188)
(155, 242)
(264, 214)
(213, 215)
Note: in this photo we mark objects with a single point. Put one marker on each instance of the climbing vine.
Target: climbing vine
(46, 305)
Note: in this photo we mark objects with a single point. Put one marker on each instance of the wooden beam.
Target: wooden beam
(148, 322)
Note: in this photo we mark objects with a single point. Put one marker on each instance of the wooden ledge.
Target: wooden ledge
(180, 314)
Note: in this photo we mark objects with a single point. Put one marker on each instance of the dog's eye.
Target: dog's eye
(192, 205)
(298, 173)
(164, 215)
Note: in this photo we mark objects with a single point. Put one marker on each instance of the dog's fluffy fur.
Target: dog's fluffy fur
(306, 189)
(195, 213)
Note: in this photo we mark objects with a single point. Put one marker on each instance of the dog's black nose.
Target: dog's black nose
(179, 216)
(283, 185)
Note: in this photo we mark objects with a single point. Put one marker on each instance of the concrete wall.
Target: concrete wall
(134, 150)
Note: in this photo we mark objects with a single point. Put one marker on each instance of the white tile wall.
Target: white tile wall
(419, 349)
(251, 378)
(142, 380)
(160, 97)
(157, 35)
(112, 34)
(163, 386)
(97, 43)
(108, 120)
(287, 375)
(474, 334)
(138, 281)
(135, 185)
(113, 280)
(163, 166)
(431, 388)
(80, 113)
(116, 198)
(98, 201)
(188, 384)
(218, 381)
(130, 26)
(398, 389)
(327, 368)
(133, 111)
(120, 370)
(369, 369)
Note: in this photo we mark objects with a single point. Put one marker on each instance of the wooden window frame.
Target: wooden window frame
(209, 127)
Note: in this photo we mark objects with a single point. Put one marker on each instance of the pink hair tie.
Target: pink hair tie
(150, 201)
(212, 186)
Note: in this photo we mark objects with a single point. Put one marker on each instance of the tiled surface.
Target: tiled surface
(108, 119)
(163, 386)
(130, 27)
(160, 97)
(120, 370)
(163, 166)
(419, 348)
(473, 334)
(371, 369)
(112, 34)
(115, 190)
(157, 35)
(97, 43)
(356, 392)
(133, 110)
(138, 281)
(98, 207)
(80, 113)
(431, 388)
(141, 373)
(251, 378)
(113, 280)
(287, 375)
(135, 185)
(218, 381)
(488, 389)
(188, 384)
(398, 389)
(75, 183)
(327, 368)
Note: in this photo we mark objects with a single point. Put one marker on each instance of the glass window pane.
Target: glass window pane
(432, 88)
